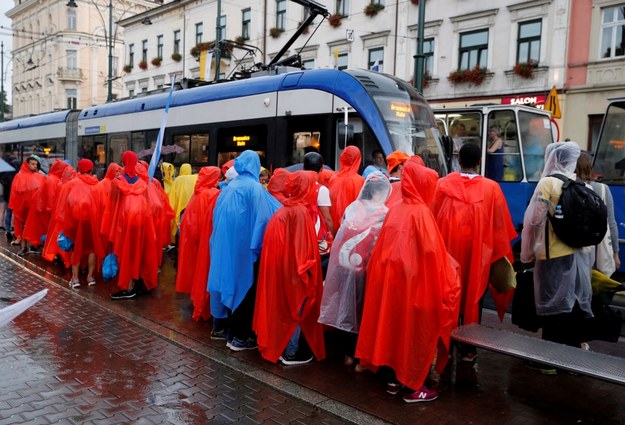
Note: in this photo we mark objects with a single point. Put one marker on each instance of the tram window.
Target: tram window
(303, 142)
(535, 136)
(199, 148)
(118, 144)
(138, 142)
(182, 155)
(464, 128)
(610, 155)
(363, 139)
(503, 161)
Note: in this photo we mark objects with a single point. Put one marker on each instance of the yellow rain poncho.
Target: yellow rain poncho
(182, 191)
(168, 180)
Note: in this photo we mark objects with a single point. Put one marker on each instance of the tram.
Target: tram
(278, 116)
(609, 164)
(517, 165)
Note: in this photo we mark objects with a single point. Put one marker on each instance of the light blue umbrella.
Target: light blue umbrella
(5, 166)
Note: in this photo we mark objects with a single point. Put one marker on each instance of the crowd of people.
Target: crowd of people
(392, 261)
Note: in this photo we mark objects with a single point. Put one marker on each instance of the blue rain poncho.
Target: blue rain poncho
(241, 215)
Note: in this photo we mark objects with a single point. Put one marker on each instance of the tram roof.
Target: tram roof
(35, 121)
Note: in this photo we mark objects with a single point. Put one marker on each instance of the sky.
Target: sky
(5, 37)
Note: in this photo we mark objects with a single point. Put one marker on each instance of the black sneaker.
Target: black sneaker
(35, 250)
(123, 295)
(220, 334)
(296, 359)
(23, 252)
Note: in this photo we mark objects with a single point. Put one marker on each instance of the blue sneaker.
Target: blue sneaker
(241, 345)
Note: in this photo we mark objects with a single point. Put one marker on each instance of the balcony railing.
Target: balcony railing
(69, 73)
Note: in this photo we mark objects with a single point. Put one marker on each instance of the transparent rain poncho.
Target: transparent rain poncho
(563, 279)
(343, 292)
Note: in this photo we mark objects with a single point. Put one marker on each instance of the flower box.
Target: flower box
(177, 57)
(143, 65)
(156, 61)
(200, 47)
(127, 69)
(275, 32)
(474, 76)
(373, 9)
(525, 69)
(335, 20)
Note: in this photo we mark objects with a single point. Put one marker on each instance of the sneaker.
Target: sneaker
(296, 359)
(90, 281)
(74, 283)
(584, 346)
(422, 394)
(220, 334)
(469, 357)
(242, 345)
(35, 250)
(123, 295)
(542, 368)
(23, 252)
(393, 388)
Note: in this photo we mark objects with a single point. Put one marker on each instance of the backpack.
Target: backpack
(581, 217)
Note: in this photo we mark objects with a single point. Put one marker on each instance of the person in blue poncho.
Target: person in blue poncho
(241, 214)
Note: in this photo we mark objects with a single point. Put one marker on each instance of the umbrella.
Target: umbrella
(5, 166)
(12, 311)
(300, 166)
(165, 150)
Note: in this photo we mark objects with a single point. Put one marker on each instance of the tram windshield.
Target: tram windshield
(412, 128)
(610, 154)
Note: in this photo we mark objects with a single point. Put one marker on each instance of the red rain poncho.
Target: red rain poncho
(44, 203)
(162, 212)
(51, 247)
(79, 211)
(132, 230)
(104, 194)
(412, 290)
(346, 184)
(23, 188)
(474, 221)
(196, 228)
(277, 184)
(289, 278)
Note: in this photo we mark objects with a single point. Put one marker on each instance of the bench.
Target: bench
(596, 365)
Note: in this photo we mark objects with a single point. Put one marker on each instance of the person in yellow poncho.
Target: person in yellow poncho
(168, 180)
(181, 194)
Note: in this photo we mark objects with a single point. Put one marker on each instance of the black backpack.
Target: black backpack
(581, 216)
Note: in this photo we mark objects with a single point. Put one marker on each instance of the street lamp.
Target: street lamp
(109, 78)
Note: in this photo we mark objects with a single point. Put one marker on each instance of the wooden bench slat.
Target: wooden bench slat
(597, 365)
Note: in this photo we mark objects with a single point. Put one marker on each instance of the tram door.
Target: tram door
(306, 134)
(356, 133)
(231, 141)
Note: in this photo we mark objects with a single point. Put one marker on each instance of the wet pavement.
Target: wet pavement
(78, 357)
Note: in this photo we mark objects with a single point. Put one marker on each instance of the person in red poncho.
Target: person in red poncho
(395, 161)
(104, 193)
(290, 284)
(196, 227)
(412, 292)
(44, 203)
(25, 184)
(132, 232)
(346, 184)
(79, 212)
(162, 212)
(474, 220)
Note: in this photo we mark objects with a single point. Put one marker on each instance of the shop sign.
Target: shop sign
(536, 100)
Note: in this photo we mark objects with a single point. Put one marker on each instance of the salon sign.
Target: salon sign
(538, 101)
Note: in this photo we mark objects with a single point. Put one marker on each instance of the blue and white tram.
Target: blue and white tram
(517, 166)
(278, 116)
(47, 136)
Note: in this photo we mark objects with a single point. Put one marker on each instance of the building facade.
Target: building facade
(60, 53)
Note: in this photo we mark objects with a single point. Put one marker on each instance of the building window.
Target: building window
(376, 59)
(72, 98)
(159, 46)
(342, 7)
(613, 32)
(378, 2)
(72, 59)
(281, 14)
(246, 19)
(71, 19)
(131, 55)
(222, 27)
(308, 64)
(428, 52)
(473, 49)
(177, 41)
(199, 33)
(131, 93)
(144, 50)
(529, 42)
(341, 61)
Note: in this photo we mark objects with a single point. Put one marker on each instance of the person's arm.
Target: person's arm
(325, 213)
(495, 145)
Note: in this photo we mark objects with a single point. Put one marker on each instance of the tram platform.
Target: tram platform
(496, 389)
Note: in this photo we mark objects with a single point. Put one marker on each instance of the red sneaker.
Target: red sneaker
(422, 394)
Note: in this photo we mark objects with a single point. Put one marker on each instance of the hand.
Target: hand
(617, 261)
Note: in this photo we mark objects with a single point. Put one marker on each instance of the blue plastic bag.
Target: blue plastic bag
(43, 239)
(65, 243)
(110, 268)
